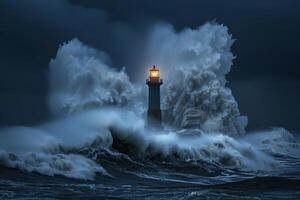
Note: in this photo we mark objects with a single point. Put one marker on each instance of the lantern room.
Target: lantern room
(154, 74)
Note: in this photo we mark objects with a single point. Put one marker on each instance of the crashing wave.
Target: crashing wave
(69, 165)
(57, 148)
(197, 61)
(80, 78)
(277, 141)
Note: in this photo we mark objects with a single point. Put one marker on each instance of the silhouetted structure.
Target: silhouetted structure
(154, 112)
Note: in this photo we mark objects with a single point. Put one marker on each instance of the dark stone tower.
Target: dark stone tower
(154, 112)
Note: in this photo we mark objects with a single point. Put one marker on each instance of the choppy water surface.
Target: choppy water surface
(126, 174)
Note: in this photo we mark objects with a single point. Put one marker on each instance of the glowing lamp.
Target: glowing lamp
(154, 74)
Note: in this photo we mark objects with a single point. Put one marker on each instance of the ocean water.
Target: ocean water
(126, 163)
(150, 179)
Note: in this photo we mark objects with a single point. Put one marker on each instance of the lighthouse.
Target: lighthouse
(154, 113)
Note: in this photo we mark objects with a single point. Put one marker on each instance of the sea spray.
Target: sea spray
(55, 148)
(194, 64)
(81, 78)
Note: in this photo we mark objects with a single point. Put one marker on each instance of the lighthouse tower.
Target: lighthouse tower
(154, 112)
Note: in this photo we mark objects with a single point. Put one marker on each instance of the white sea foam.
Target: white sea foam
(194, 64)
(69, 165)
(81, 78)
(53, 148)
(277, 141)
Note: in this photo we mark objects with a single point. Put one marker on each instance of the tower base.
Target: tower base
(154, 118)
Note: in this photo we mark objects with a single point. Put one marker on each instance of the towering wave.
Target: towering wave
(81, 78)
(195, 63)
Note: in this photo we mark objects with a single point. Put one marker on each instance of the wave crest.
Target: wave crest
(195, 63)
(80, 78)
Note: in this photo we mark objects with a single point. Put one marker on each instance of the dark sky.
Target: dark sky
(265, 78)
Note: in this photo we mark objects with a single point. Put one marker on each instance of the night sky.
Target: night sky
(265, 78)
